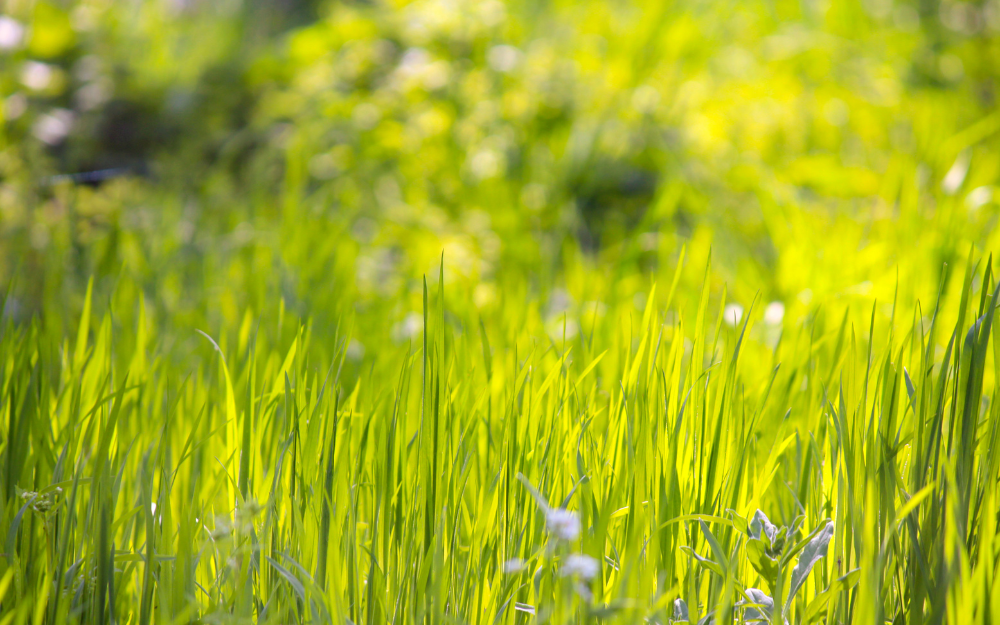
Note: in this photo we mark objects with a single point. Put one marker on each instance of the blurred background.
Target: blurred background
(317, 157)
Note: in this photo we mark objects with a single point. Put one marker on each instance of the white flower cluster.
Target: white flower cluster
(563, 523)
(581, 565)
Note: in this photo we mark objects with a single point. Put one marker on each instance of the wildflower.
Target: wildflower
(53, 127)
(514, 565)
(11, 33)
(581, 565)
(563, 523)
(732, 314)
(774, 313)
(503, 58)
(36, 76)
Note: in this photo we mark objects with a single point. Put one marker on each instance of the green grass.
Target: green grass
(500, 312)
(273, 478)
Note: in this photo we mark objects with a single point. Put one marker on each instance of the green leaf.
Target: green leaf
(487, 360)
(794, 551)
(820, 601)
(717, 551)
(681, 611)
(711, 565)
(764, 564)
(762, 529)
(811, 554)
(759, 607)
(739, 522)
(12, 533)
(293, 581)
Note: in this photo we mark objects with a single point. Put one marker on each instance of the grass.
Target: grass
(271, 480)
(499, 312)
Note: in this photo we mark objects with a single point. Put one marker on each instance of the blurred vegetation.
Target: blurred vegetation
(819, 146)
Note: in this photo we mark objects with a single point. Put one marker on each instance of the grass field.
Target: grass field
(499, 313)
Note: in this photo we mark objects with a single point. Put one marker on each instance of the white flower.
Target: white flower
(579, 564)
(11, 33)
(956, 175)
(563, 523)
(36, 76)
(514, 565)
(53, 127)
(355, 350)
(409, 327)
(486, 163)
(732, 314)
(15, 105)
(774, 313)
(978, 196)
(503, 58)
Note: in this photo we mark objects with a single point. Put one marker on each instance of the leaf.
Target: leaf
(717, 551)
(811, 554)
(739, 522)
(711, 565)
(787, 556)
(293, 581)
(819, 602)
(486, 350)
(681, 611)
(707, 619)
(539, 499)
(765, 565)
(778, 541)
(12, 533)
(762, 529)
(759, 608)
(610, 609)
(524, 607)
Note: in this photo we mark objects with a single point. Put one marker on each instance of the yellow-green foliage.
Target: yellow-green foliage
(274, 475)
(484, 312)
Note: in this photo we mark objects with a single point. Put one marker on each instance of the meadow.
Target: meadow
(499, 312)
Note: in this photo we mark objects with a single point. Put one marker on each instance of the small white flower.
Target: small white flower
(774, 313)
(486, 163)
(15, 106)
(732, 314)
(503, 58)
(11, 33)
(563, 523)
(514, 565)
(579, 564)
(978, 196)
(36, 76)
(355, 350)
(409, 327)
(956, 175)
(53, 127)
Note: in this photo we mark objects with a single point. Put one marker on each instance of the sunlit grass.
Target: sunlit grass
(482, 472)
(499, 312)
